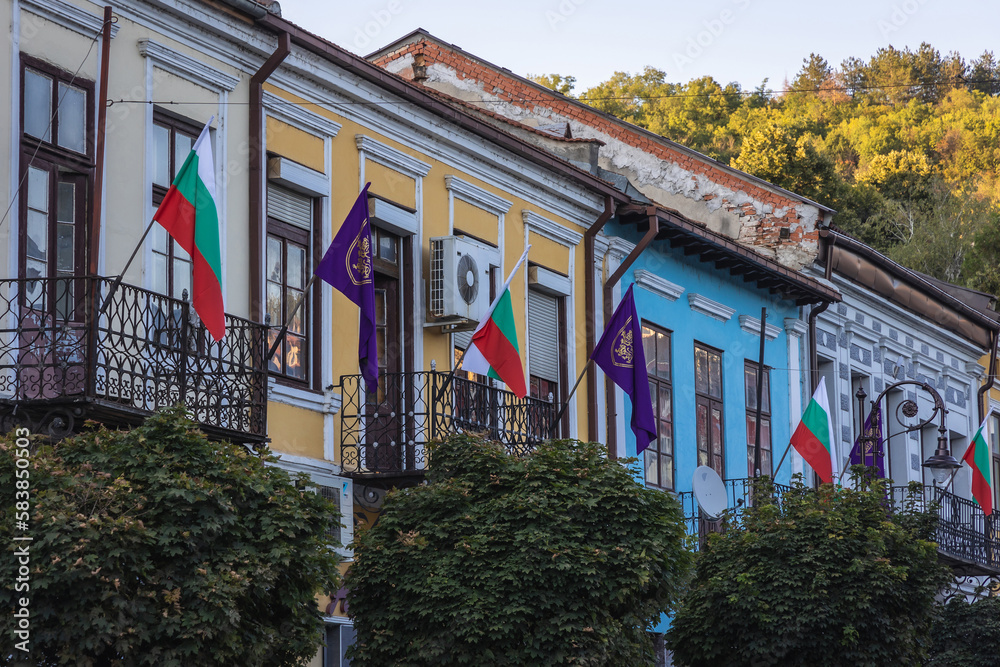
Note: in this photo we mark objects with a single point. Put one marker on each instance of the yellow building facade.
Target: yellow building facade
(298, 127)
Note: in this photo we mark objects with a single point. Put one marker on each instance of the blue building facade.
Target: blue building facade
(700, 298)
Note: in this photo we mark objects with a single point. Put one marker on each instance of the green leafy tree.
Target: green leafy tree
(822, 578)
(966, 635)
(557, 82)
(557, 557)
(156, 546)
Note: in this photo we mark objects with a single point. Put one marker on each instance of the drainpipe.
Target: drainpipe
(609, 386)
(256, 140)
(590, 306)
(991, 377)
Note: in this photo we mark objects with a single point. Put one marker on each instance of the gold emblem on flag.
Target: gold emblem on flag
(621, 355)
(360, 271)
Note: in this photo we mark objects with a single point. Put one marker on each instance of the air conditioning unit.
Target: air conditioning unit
(460, 280)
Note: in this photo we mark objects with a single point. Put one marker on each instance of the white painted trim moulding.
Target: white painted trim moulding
(69, 16)
(187, 68)
(706, 306)
(300, 118)
(550, 230)
(657, 285)
(752, 326)
(477, 196)
(388, 156)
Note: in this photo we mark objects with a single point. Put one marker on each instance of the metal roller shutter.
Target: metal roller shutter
(288, 206)
(543, 336)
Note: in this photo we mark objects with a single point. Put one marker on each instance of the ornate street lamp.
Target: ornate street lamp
(941, 463)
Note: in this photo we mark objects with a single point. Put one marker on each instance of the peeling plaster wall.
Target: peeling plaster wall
(694, 185)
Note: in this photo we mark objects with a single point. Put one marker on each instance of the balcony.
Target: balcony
(384, 433)
(60, 364)
(967, 541)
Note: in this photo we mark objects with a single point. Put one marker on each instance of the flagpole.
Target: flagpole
(493, 305)
(135, 251)
(118, 281)
(289, 318)
(562, 410)
(787, 447)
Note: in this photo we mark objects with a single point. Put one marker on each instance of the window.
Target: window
(708, 406)
(750, 383)
(173, 138)
(339, 638)
(659, 456)
(288, 266)
(543, 345)
(56, 145)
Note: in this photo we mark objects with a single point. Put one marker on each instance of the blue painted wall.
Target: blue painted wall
(688, 326)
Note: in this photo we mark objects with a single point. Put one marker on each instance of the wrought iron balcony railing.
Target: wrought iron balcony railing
(965, 537)
(60, 363)
(386, 431)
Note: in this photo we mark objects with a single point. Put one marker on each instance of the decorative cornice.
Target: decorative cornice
(601, 245)
(476, 195)
(860, 331)
(388, 156)
(752, 326)
(975, 369)
(299, 117)
(550, 230)
(619, 248)
(657, 285)
(187, 68)
(795, 327)
(69, 16)
(706, 306)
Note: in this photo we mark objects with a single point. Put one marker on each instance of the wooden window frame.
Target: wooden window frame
(313, 301)
(62, 165)
(658, 384)
(173, 123)
(558, 396)
(765, 418)
(710, 403)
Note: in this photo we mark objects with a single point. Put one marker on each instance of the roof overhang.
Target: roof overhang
(869, 268)
(727, 255)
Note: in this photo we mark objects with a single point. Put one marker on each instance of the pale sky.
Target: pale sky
(731, 40)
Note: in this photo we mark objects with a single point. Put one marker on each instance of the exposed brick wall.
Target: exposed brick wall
(760, 222)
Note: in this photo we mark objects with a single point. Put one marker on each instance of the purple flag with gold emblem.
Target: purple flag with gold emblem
(347, 265)
(619, 354)
(868, 451)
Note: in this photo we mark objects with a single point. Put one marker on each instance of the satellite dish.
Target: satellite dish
(710, 492)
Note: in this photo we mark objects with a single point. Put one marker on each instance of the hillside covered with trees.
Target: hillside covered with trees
(905, 146)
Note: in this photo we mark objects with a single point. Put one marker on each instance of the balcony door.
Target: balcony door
(56, 166)
(385, 403)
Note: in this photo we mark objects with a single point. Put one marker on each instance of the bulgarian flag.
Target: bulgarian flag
(493, 350)
(190, 216)
(813, 438)
(978, 458)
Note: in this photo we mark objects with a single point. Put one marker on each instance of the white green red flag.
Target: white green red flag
(978, 458)
(813, 438)
(190, 215)
(494, 351)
